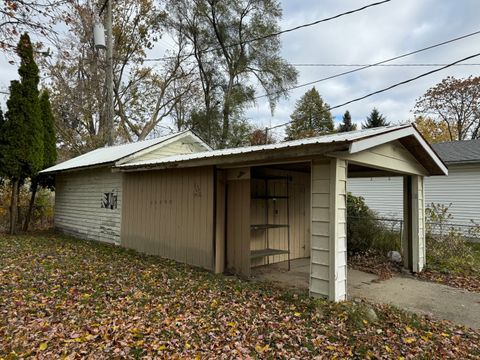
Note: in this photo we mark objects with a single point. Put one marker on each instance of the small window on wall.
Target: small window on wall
(109, 200)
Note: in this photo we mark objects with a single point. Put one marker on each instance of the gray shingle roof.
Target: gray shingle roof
(459, 152)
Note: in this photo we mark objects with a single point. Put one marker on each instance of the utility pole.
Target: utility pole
(109, 77)
(99, 40)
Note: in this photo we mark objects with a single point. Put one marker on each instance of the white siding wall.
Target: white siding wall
(383, 194)
(78, 204)
(461, 188)
(328, 268)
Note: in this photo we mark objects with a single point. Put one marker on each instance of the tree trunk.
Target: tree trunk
(28, 215)
(13, 207)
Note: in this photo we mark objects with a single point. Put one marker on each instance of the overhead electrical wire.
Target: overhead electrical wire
(372, 65)
(277, 33)
(390, 87)
(386, 65)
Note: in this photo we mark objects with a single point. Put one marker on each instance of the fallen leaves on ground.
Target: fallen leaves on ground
(64, 298)
(374, 264)
(467, 282)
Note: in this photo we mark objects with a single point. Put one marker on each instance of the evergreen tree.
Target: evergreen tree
(49, 138)
(347, 124)
(49, 154)
(311, 117)
(2, 131)
(22, 145)
(375, 119)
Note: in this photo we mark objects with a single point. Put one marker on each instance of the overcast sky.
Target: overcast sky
(369, 36)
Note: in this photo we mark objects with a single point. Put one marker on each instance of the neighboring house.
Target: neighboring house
(460, 190)
(89, 195)
(233, 209)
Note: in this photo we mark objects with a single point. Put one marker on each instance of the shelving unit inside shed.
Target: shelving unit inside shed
(270, 204)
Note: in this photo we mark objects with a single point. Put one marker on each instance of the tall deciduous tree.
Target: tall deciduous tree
(311, 117)
(347, 124)
(230, 68)
(261, 137)
(22, 145)
(375, 119)
(456, 104)
(432, 130)
(144, 95)
(17, 16)
(49, 154)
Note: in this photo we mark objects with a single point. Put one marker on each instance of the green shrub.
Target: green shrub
(365, 233)
(447, 248)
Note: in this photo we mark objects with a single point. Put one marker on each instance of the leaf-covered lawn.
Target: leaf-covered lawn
(63, 297)
(451, 273)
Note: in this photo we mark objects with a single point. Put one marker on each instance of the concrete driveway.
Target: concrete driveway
(422, 297)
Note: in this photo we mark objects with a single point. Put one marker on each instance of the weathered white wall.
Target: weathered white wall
(461, 188)
(328, 271)
(78, 204)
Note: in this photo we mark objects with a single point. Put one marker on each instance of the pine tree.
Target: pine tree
(347, 124)
(49, 154)
(375, 119)
(49, 138)
(22, 145)
(311, 117)
(2, 131)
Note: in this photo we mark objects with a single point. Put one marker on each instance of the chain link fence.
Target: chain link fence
(469, 231)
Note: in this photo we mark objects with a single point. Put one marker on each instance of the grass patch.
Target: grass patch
(63, 297)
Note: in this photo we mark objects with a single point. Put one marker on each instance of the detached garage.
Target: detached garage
(233, 209)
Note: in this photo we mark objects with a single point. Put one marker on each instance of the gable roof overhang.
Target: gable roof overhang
(110, 156)
(304, 149)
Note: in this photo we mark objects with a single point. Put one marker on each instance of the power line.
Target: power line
(390, 87)
(277, 33)
(372, 65)
(406, 81)
(386, 65)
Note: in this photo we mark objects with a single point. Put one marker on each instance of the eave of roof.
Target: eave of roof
(353, 139)
(109, 156)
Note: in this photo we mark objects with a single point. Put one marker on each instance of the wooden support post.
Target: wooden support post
(413, 241)
(328, 268)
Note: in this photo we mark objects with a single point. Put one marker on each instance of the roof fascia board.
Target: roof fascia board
(268, 156)
(364, 144)
(367, 143)
(109, 164)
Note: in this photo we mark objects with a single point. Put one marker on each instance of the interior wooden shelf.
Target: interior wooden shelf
(267, 226)
(266, 252)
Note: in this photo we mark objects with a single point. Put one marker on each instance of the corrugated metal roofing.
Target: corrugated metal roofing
(326, 139)
(109, 154)
(458, 152)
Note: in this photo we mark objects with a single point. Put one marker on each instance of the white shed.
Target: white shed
(231, 210)
(89, 196)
